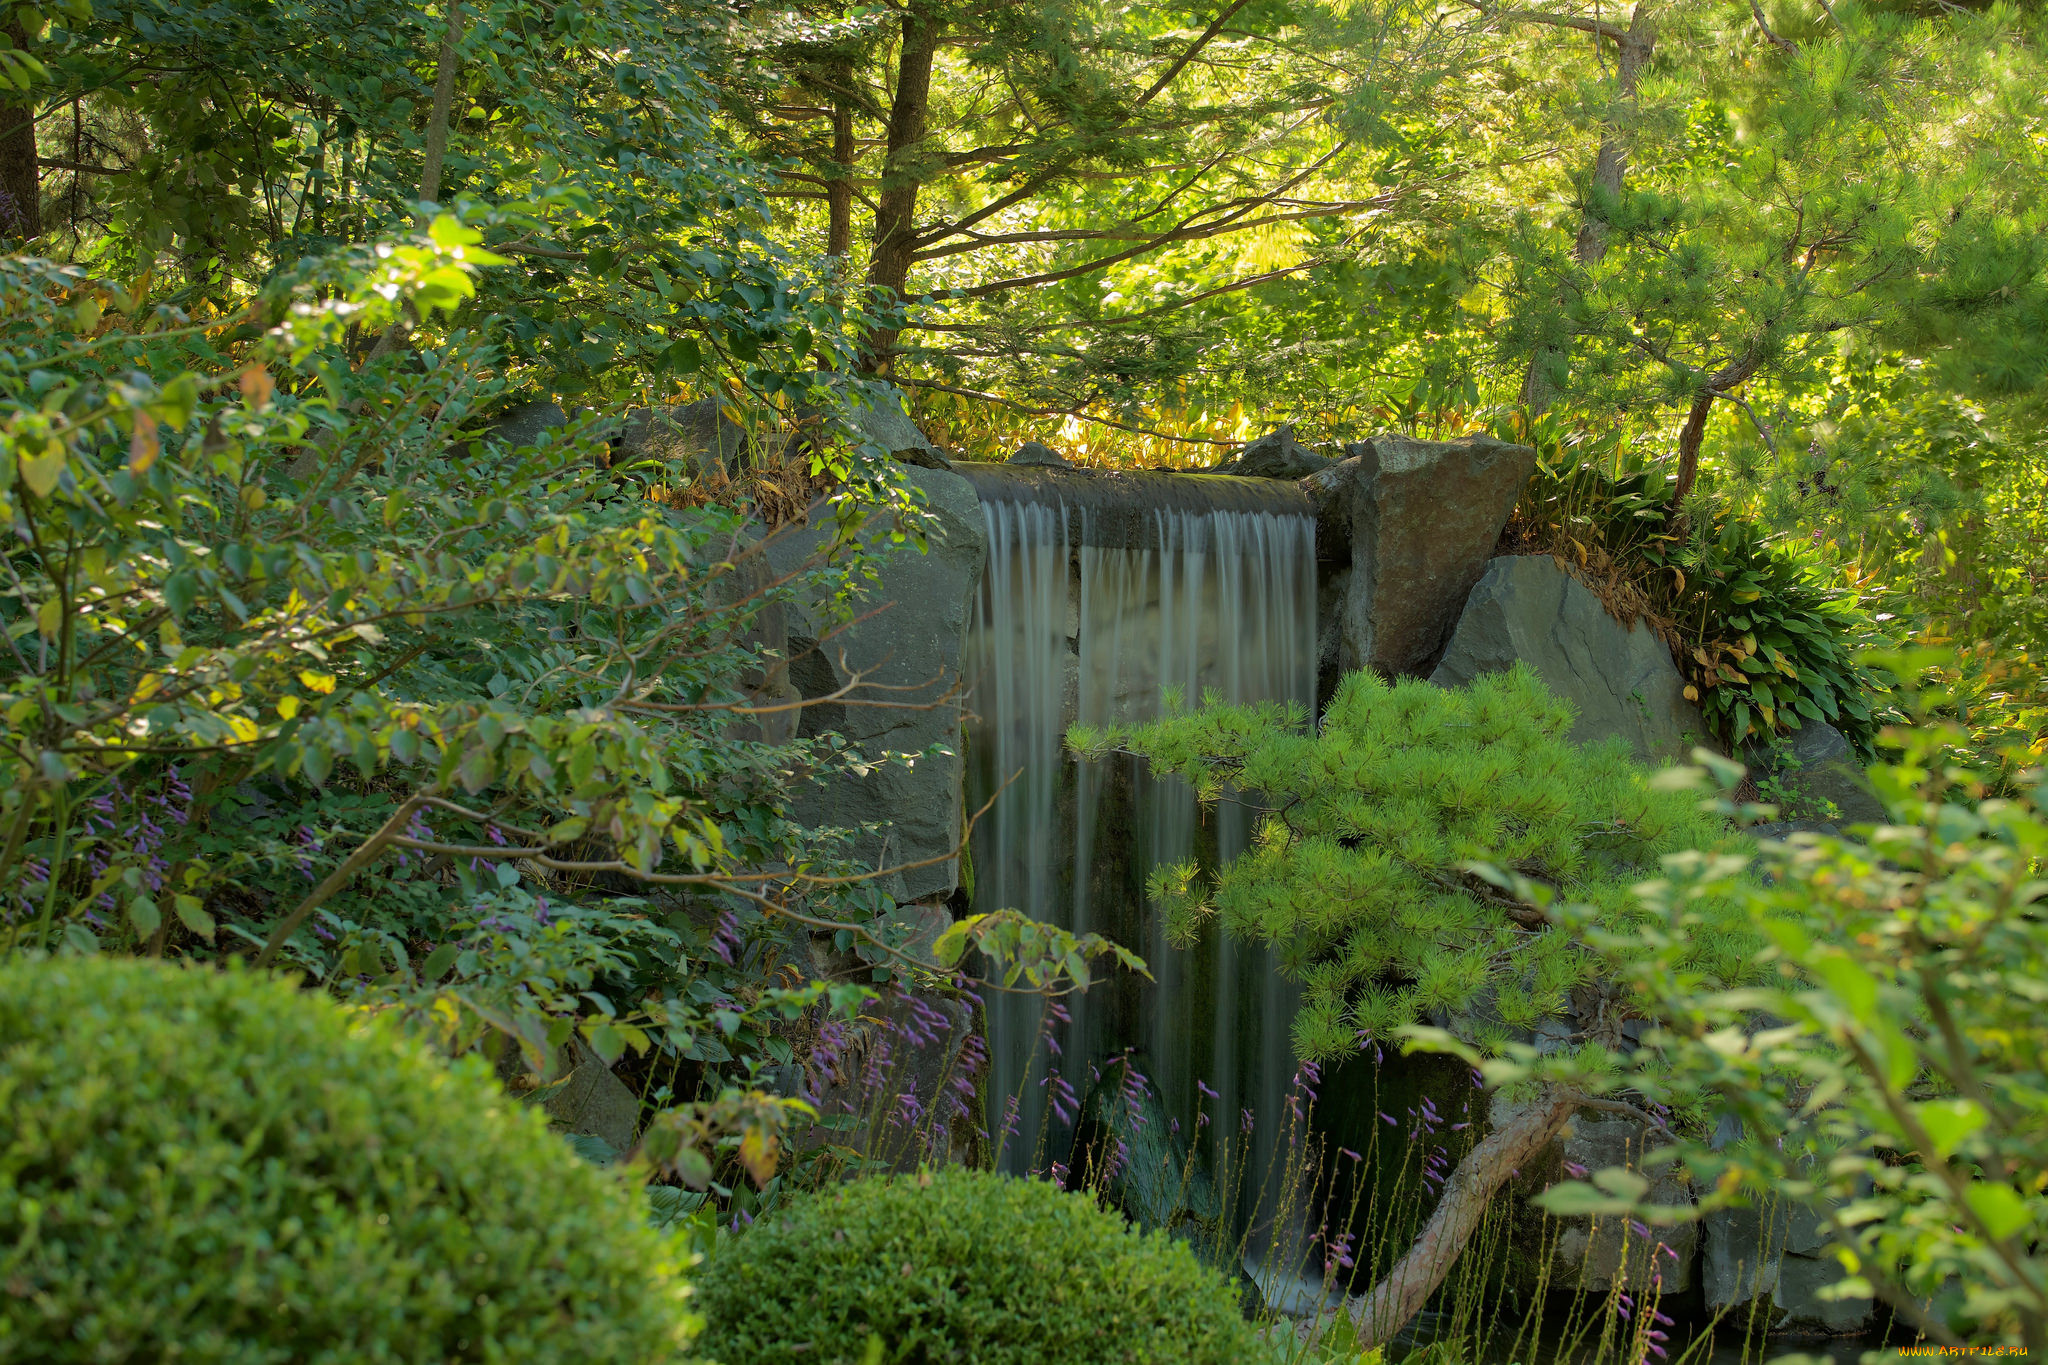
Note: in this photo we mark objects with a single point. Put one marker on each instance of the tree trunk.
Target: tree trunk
(21, 204)
(903, 171)
(1610, 165)
(839, 183)
(1383, 1312)
(445, 69)
(1690, 438)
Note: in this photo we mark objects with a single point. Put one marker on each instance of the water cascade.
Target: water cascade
(1104, 594)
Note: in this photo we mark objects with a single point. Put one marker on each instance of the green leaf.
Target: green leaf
(1948, 1122)
(193, 915)
(2002, 1210)
(143, 914)
(438, 962)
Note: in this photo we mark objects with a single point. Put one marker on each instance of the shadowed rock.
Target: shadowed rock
(1822, 778)
(1419, 519)
(914, 643)
(1619, 679)
(1276, 455)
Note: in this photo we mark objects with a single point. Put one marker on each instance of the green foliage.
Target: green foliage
(1765, 645)
(216, 1166)
(964, 1265)
(1888, 1071)
(1366, 875)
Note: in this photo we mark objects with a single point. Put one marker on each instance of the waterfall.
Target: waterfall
(1094, 610)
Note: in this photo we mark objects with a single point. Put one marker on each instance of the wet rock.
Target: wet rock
(1276, 455)
(1814, 776)
(914, 643)
(1036, 453)
(1775, 1261)
(1619, 679)
(1420, 519)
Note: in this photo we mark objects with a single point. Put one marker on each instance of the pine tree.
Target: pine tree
(1362, 875)
(1406, 856)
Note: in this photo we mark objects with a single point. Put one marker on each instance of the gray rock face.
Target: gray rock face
(1777, 1259)
(1276, 455)
(1619, 679)
(589, 1101)
(523, 423)
(1037, 453)
(889, 427)
(914, 642)
(1595, 1254)
(1820, 773)
(1420, 518)
(699, 431)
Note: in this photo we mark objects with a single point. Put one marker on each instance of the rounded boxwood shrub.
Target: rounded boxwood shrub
(964, 1266)
(199, 1165)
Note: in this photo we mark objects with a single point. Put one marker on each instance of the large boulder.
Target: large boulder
(1814, 776)
(585, 1100)
(913, 643)
(1276, 455)
(701, 432)
(1420, 519)
(887, 425)
(1619, 679)
(1776, 1261)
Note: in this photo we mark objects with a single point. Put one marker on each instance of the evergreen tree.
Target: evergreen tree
(1406, 857)
(1368, 871)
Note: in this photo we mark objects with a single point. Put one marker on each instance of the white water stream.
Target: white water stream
(1071, 630)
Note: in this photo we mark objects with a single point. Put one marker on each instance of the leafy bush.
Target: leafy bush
(1901, 1094)
(215, 1166)
(1764, 645)
(968, 1266)
(1362, 872)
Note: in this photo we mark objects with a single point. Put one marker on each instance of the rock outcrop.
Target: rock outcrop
(1419, 519)
(913, 643)
(1619, 679)
(886, 425)
(1775, 1261)
(1276, 455)
(700, 431)
(1816, 778)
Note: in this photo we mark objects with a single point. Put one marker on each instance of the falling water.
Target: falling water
(1090, 615)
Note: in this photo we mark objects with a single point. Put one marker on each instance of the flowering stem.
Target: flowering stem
(339, 878)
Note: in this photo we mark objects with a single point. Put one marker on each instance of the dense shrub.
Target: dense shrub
(208, 1166)
(965, 1266)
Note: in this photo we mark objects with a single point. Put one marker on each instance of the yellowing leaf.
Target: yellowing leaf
(256, 386)
(287, 706)
(323, 683)
(42, 470)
